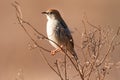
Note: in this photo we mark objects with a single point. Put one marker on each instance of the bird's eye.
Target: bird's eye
(50, 12)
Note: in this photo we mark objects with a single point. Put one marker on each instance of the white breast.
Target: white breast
(51, 26)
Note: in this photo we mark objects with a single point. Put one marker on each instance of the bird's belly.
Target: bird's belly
(51, 35)
(53, 42)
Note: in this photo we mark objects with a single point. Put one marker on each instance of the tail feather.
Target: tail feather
(74, 54)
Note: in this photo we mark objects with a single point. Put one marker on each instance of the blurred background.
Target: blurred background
(14, 53)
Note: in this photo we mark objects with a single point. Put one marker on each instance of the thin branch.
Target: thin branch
(93, 25)
(57, 65)
(16, 5)
(65, 62)
(110, 47)
(49, 64)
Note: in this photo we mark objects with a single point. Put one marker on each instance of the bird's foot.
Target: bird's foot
(53, 52)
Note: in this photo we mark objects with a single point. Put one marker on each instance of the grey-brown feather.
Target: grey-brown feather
(64, 37)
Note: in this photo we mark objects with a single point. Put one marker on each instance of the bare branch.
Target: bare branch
(57, 65)
(92, 41)
(110, 47)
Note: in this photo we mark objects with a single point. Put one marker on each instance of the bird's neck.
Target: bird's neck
(54, 18)
(53, 22)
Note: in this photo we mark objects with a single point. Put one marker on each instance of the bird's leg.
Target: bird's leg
(53, 52)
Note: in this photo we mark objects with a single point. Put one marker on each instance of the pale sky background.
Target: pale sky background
(14, 53)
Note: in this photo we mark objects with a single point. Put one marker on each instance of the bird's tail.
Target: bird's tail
(74, 54)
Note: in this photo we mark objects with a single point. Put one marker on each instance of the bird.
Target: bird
(59, 33)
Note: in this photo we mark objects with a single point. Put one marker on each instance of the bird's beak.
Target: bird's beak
(44, 12)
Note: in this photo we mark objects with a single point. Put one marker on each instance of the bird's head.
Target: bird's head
(52, 14)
